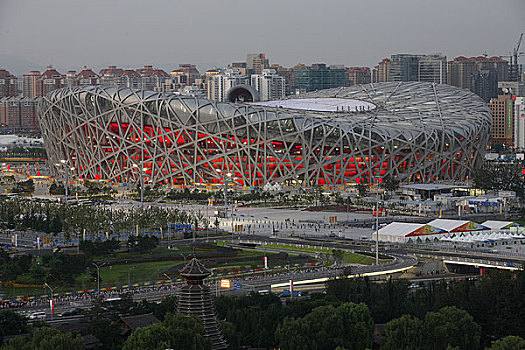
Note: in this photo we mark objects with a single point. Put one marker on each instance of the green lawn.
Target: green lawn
(136, 272)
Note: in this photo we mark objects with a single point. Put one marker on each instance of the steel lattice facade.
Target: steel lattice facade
(415, 131)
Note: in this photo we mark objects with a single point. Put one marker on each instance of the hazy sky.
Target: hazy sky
(130, 33)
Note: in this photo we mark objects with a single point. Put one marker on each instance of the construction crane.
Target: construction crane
(514, 67)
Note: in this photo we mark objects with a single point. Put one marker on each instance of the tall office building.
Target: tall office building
(433, 69)
(318, 77)
(8, 84)
(269, 85)
(358, 75)
(381, 72)
(519, 123)
(485, 83)
(219, 84)
(256, 62)
(502, 109)
(404, 67)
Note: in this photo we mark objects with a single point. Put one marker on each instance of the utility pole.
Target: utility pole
(98, 277)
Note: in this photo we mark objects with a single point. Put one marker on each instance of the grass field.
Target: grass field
(132, 273)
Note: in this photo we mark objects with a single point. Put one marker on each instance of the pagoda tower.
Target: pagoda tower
(195, 300)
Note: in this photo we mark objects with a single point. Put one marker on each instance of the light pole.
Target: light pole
(52, 289)
(52, 293)
(98, 277)
(63, 163)
(226, 179)
(377, 222)
(141, 174)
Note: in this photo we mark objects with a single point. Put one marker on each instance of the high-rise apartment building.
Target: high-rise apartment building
(358, 75)
(433, 69)
(381, 72)
(218, 84)
(519, 123)
(461, 70)
(110, 76)
(269, 85)
(30, 83)
(130, 79)
(190, 71)
(86, 77)
(404, 67)
(8, 84)
(19, 113)
(152, 78)
(49, 80)
(318, 77)
(256, 62)
(502, 109)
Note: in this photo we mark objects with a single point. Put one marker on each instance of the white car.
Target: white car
(38, 316)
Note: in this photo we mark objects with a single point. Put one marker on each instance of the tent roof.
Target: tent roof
(404, 229)
(457, 225)
(498, 225)
(400, 229)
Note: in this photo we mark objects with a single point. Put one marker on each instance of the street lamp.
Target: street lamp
(377, 221)
(226, 181)
(63, 163)
(52, 289)
(142, 170)
(52, 293)
(98, 277)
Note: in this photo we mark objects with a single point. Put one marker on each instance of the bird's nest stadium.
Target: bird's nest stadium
(413, 131)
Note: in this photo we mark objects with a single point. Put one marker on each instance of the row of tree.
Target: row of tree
(96, 220)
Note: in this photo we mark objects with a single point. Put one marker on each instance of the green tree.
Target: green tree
(327, 327)
(508, 343)
(176, 331)
(338, 255)
(451, 326)
(46, 338)
(404, 333)
(12, 323)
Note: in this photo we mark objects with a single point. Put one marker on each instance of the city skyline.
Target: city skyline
(118, 35)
